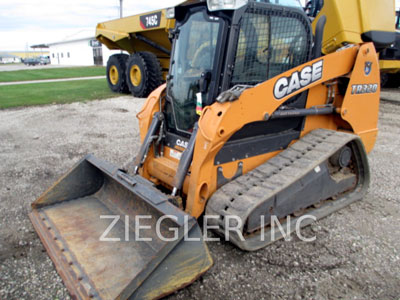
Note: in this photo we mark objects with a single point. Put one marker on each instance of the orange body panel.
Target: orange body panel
(361, 110)
(358, 113)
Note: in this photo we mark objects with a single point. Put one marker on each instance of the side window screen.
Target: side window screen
(269, 44)
(252, 50)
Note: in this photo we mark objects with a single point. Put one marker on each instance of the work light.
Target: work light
(170, 13)
(214, 5)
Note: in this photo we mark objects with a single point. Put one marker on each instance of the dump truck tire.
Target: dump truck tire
(389, 80)
(116, 66)
(393, 81)
(384, 79)
(143, 73)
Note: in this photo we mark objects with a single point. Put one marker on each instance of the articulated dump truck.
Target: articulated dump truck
(256, 123)
(389, 60)
(349, 17)
(146, 38)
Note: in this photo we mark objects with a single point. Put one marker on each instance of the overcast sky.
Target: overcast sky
(28, 22)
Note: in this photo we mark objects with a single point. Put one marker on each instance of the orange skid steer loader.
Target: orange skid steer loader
(253, 123)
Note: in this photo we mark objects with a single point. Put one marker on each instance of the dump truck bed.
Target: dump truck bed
(135, 33)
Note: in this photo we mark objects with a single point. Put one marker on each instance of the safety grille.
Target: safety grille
(271, 41)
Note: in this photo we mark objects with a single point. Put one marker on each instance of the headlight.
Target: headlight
(225, 4)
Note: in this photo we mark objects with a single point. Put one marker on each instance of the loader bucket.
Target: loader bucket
(149, 255)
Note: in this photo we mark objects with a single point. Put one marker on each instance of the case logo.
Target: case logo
(298, 80)
(181, 143)
(151, 20)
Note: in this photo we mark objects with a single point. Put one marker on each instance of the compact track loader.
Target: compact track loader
(253, 125)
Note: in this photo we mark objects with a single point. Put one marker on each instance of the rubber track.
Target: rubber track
(240, 196)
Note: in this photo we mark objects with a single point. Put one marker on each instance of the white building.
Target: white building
(81, 49)
(6, 58)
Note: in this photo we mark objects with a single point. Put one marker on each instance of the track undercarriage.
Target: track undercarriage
(319, 174)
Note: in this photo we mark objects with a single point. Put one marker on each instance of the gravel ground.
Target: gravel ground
(356, 254)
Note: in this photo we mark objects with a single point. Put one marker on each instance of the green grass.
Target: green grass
(51, 73)
(54, 92)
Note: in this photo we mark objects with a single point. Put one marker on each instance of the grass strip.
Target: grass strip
(51, 73)
(54, 92)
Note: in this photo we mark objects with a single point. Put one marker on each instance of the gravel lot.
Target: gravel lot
(356, 254)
